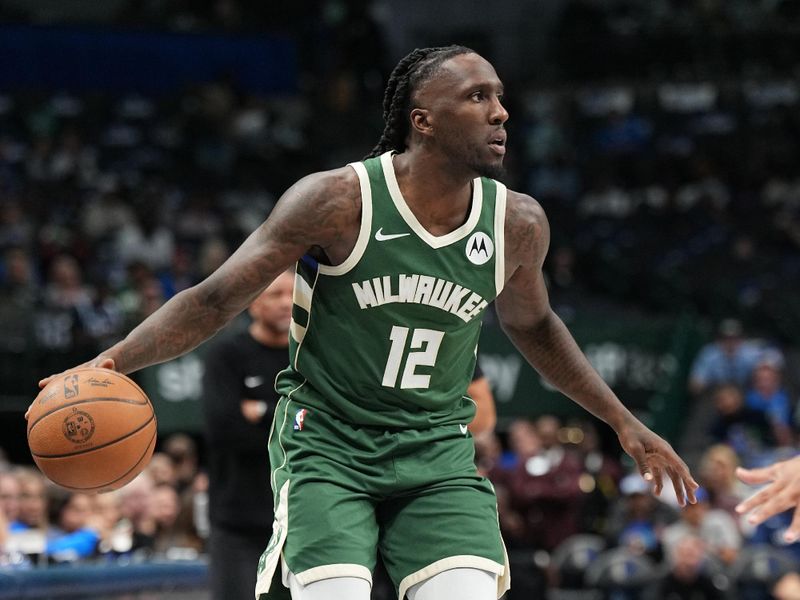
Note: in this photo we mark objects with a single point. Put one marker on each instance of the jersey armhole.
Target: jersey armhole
(365, 229)
(499, 238)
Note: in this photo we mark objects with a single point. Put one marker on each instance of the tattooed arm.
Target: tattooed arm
(527, 318)
(320, 213)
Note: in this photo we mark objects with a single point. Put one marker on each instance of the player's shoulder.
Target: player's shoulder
(526, 230)
(523, 208)
(329, 185)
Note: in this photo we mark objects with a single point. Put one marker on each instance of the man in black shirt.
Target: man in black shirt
(238, 403)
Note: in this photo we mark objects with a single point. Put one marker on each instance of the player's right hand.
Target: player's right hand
(104, 362)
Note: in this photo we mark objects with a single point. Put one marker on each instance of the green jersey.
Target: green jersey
(388, 338)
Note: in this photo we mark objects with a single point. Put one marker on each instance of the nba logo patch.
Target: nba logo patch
(299, 418)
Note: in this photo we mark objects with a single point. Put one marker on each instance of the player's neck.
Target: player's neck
(268, 337)
(435, 191)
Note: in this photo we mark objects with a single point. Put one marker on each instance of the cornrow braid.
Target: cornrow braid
(414, 69)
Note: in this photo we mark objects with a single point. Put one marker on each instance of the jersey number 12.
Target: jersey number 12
(424, 349)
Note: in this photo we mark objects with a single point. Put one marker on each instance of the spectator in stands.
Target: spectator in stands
(80, 528)
(141, 294)
(65, 288)
(524, 443)
(746, 430)
(147, 239)
(136, 506)
(58, 323)
(767, 394)
(638, 521)
(545, 488)
(716, 527)
(33, 504)
(114, 533)
(718, 476)
(182, 451)
(730, 359)
(488, 452)
(172, 531)
(599, 481)
(687, 578)
(105, 213)
(161, 469)
(18, 285)
(9, 495)
(17, 229)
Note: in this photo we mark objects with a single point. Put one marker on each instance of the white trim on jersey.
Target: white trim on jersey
(298, 331)
(365, 229)
(500, 238)
(302, 293)
(433, 241)
(302, 297)
(280, 527)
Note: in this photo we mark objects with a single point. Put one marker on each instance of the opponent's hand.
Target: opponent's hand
(101, 361)
(655, 458)
(782, 493)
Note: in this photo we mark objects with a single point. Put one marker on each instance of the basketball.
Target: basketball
(91, 430)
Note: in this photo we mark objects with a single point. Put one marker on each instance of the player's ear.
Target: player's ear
(421, 121)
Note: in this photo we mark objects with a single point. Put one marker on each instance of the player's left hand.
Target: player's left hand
(782, 493)
(655, 458)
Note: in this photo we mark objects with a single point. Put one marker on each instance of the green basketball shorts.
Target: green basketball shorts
(344, 493)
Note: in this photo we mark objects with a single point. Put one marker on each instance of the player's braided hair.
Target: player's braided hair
(414, 69)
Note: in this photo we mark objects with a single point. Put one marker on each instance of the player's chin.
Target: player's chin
(493, 169)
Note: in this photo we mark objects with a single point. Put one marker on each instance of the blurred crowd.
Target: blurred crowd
(574, 517)
(162, 513)
(674, 189)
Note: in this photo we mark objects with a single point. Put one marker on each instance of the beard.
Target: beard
(473, 155)
(489, 169)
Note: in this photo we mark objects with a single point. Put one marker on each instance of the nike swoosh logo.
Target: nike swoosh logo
(253, 381)
(382, 237)
(463, 429)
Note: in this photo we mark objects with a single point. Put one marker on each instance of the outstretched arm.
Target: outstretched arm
(321, 210)
(782, 493)
(527, 318)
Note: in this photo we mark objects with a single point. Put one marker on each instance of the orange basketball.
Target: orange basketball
(91, 430)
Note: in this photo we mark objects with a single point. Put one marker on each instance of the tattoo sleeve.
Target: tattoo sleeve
(320, 210)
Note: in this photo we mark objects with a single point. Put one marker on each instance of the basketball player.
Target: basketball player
(782, 493)
(397, 258)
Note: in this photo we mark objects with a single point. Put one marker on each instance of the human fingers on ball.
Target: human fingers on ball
(103, 362)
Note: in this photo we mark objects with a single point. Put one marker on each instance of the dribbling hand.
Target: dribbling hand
(782, 493)
(101, 361)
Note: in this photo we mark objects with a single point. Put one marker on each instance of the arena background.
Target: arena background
(141, 141)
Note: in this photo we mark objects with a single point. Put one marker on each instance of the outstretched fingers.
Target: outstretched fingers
(758, 499)
(756, 476)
